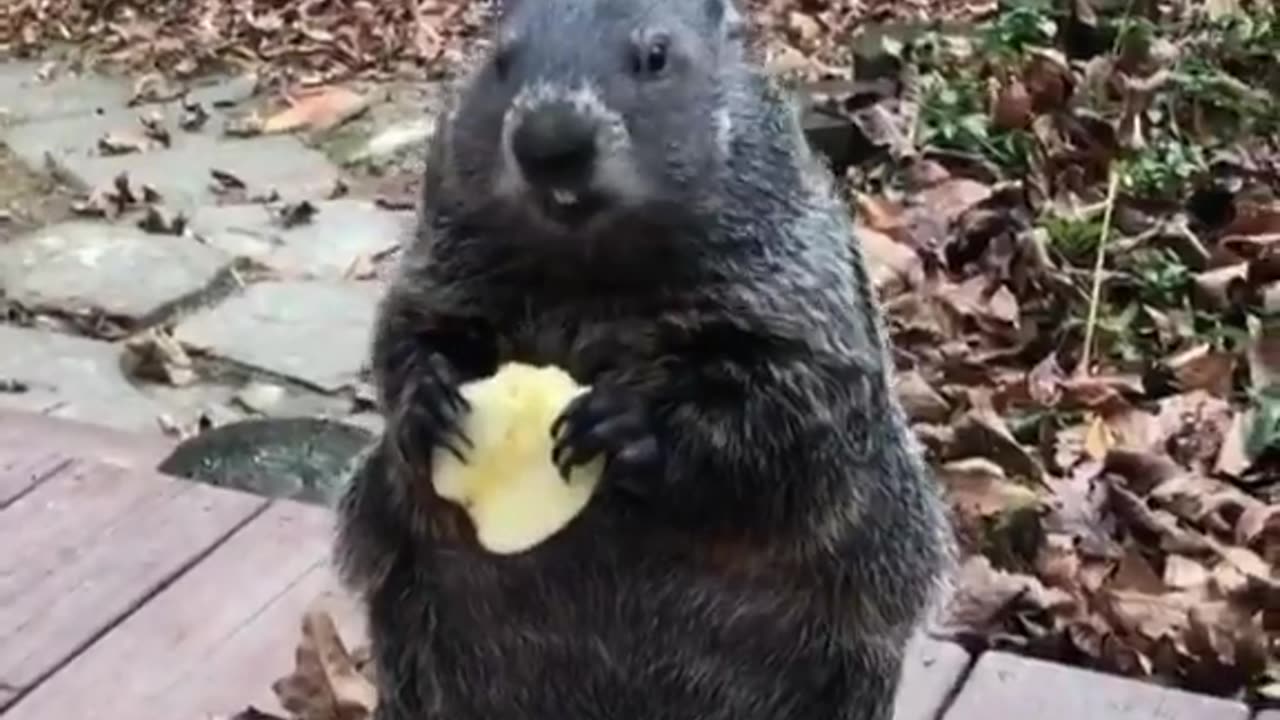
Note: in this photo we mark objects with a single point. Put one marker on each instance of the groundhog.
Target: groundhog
(620, 191)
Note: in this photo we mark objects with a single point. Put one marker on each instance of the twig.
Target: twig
(1113, 185)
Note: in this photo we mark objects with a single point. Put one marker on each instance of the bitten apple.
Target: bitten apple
(510, 488)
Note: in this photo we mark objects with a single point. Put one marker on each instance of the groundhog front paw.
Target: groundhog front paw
(429, 414)
(613, 423)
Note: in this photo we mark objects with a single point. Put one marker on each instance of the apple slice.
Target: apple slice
(508, 485)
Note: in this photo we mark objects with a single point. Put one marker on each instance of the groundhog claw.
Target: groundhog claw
(429, 414)
(610, 423)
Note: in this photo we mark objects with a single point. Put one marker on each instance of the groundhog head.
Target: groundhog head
(586, 113)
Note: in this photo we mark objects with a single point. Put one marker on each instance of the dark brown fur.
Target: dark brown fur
(790, 540)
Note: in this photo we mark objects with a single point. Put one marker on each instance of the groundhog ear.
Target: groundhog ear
(725, 15)
(503, 7)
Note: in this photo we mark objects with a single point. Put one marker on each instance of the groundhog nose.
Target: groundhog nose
(555, 145)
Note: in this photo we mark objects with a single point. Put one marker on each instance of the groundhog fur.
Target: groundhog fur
(766, 536)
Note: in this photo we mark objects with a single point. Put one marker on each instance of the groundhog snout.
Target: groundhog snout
(555, 145)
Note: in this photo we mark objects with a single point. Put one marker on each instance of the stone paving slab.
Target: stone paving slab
(24, 97)
(72, 377)
(66, 138)
(231, 90)
(78, 134)
(112, 268)
(317, 333)
(340, 233)
(183, 175)
(1029, 688)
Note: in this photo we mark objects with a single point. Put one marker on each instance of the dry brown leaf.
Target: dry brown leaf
(1058, 562)
(121, 143)
(948, 200)
(981, 432)
(919, 399)
(994, 308)
(1160, 525)
(978, 488)
(878, 213)
(1098, 438)
(1134, 572)
(1257, 522)
(1129, 428)
(1228, 636)
(1044, 382)
(1143, 471)
(1150, 617)
(984, 596)
(326, 683)
(156, 356)
(894, 267)
(1264, 353)
(1048, 79)
(319, 109)
(1220, 288)
(1099, 392)
(1255, 227)
(1233, 458)
(1012, 107)
(1184, 573)
(1194, 424)
(1138, 95)
(1203, 368)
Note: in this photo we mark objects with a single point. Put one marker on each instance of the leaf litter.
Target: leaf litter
(1083, 333)
(1072, 221)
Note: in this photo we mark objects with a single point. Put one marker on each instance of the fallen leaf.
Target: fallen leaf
(294, 214)
(155, 355)
(1012, 107)
(949, 199)
(981, 432)
(194, 116)
(919, 399)
(1098, 439)
(326, 683)
(985, 596)
(1134, 572)
(1184, 573)
(1048, 78)
(978, 487)
(1202, 368)
(894, 267)
(1044, 382)
(119, 143)
(1256, 522)
(1161, 526)
(1151, 617)
(153, 127)
(318, 109)
(162, 222)
(878, 214)
(1264, 353)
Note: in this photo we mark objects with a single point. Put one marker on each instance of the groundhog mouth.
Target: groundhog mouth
(568, 207)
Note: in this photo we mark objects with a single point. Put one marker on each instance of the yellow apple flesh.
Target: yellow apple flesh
(508, 485)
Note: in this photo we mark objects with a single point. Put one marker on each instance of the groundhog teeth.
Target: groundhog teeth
(509, 486)
(564, 197)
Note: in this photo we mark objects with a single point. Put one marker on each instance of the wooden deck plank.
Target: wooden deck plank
(21, 469)
(234, 607)
(1006, 685)
(88, 546)
(930, 674)
(262, 652)
(33, 431)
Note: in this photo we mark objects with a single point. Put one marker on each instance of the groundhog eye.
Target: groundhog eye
(652, 58)
(503, 56)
